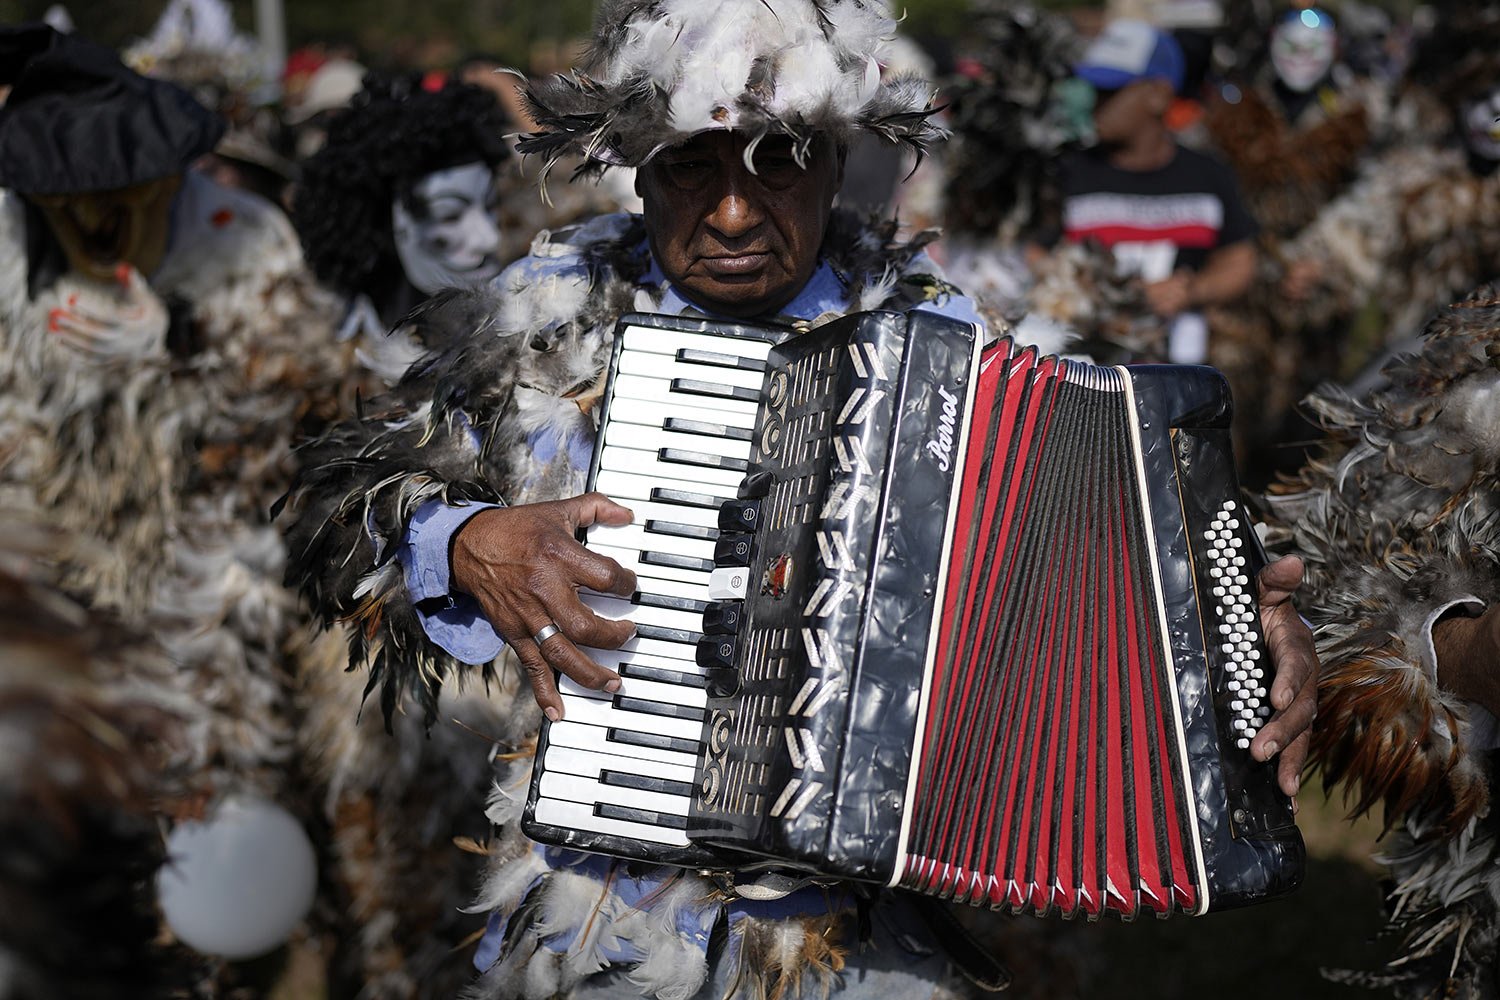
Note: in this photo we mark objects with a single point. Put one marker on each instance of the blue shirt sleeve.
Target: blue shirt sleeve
(454, 621)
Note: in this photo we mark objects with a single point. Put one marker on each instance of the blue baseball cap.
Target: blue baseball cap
(1127, 51)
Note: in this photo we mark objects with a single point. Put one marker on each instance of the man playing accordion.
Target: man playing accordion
(442, 525)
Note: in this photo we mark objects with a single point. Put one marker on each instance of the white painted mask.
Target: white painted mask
(1481, 125)
(1303, 48)
(446, 235)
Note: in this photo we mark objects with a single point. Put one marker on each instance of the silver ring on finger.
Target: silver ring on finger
(548, 631)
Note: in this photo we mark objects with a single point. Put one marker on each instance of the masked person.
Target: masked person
(1295, 126)
(415, 192)
(1421, 223)
(736, 116)
(402, 202)
(160, 341)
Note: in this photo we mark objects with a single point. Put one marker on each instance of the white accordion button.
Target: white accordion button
(728, 583)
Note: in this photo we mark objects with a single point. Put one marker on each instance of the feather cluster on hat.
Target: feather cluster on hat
(660, 71)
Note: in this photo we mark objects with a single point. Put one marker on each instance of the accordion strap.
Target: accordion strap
(971, 958)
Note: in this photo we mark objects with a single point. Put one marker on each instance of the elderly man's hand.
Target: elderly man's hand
(1294, 692)
(524, 566)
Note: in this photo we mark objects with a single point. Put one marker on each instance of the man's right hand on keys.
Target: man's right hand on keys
(524, 565)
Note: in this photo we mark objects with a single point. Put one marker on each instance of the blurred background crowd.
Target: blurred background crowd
(1372, 122)
(344, 161)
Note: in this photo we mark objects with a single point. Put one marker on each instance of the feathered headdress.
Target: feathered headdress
(659, 71)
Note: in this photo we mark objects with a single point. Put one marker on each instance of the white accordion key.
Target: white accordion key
(654, 691)
(629, 536)
(650, 340)
(591, 764)
(656, 366)
(580, 816)
(594, 739)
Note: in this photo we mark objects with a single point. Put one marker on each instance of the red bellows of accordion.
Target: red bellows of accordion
(1051, 773)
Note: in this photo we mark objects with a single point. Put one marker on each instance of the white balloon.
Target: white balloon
(236, 884)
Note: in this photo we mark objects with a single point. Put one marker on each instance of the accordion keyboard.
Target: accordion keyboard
(674, 449)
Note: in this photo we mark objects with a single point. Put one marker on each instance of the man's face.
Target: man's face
(1120, 114)
(739, 243)
(103, 229)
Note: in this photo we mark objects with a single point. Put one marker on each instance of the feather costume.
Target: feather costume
(152, 421)
(158, 468)
(157, 461)
(1398, 524)
(1287, 171)
(90, 724)
(1010, 124)
(660, 71)
(1417, 229)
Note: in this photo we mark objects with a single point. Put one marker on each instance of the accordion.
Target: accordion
(977, 623)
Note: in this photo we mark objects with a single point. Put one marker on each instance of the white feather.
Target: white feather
(719, 43)
(543, 976)
(506, 801)
(1044, 333)
(808, 77)
(583, 907)
(646, 52)
(507, 881)
(860, 28)
(672, 970)
(675, 965)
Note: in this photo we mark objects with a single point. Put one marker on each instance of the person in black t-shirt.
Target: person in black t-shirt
(1171, 215)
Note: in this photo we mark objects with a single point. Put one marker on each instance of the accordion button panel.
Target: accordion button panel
(675, 442)
(1239, 625)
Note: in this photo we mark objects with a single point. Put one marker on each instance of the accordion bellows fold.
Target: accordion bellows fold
(660, 71)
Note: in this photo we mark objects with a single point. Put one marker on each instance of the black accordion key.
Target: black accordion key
(694, 387)
(645, 672)
(645, 783)
(687, 498)
(658, 708)
(650, 817)
(705, 428)
(654, 741)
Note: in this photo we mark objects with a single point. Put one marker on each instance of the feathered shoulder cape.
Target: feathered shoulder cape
(1397, 520)
(509, 364)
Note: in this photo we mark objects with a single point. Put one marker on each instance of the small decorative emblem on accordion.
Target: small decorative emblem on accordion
(777, 577)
